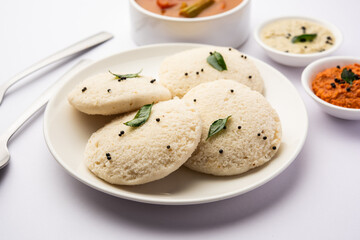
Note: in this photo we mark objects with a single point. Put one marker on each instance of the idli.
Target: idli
(106, 94)
(121, 154)
(185, 70)
(249, 138)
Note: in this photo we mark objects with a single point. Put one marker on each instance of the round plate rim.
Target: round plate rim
(154, 200)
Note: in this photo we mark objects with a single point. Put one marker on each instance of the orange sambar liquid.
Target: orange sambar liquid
(341, 94)
(219, 6)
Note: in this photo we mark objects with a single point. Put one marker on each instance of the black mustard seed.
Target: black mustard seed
(303, 28)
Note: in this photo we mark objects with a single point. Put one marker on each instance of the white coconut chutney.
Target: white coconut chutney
(280, 35)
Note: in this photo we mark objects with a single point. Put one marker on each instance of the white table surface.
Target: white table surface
(317, 197)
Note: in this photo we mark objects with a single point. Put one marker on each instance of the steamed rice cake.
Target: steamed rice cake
(251, 136)
(185, 70)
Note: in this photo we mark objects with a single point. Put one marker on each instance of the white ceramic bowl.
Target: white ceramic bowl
(298, 60)
(230, 28)
(308, 76)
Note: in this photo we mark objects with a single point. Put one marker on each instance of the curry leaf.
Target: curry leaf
(141, 116)
(216, 60)
(125, 76)
(217, 126)
(304, 38)
(349, 76)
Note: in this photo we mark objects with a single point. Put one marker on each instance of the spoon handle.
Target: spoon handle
(42, 100)
(75, 48)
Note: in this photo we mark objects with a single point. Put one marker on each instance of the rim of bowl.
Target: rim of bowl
(306, 79)
(335, 30)
(241, 5)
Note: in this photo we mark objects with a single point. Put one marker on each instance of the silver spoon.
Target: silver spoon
(75, 48)
(36, 106)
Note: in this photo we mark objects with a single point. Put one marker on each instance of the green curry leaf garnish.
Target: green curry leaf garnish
(217, 126)
(141, 116)
(303, 38)
(216, 60)
(349, 76)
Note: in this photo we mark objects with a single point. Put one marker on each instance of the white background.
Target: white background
(317, 197)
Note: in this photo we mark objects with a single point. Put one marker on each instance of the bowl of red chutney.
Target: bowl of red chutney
(334, 83)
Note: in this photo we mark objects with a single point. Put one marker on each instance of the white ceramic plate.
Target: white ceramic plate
(67, 131)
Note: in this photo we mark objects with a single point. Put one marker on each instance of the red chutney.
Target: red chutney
(329, 86)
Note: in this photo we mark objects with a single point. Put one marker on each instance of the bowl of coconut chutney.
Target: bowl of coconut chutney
(297, 41)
